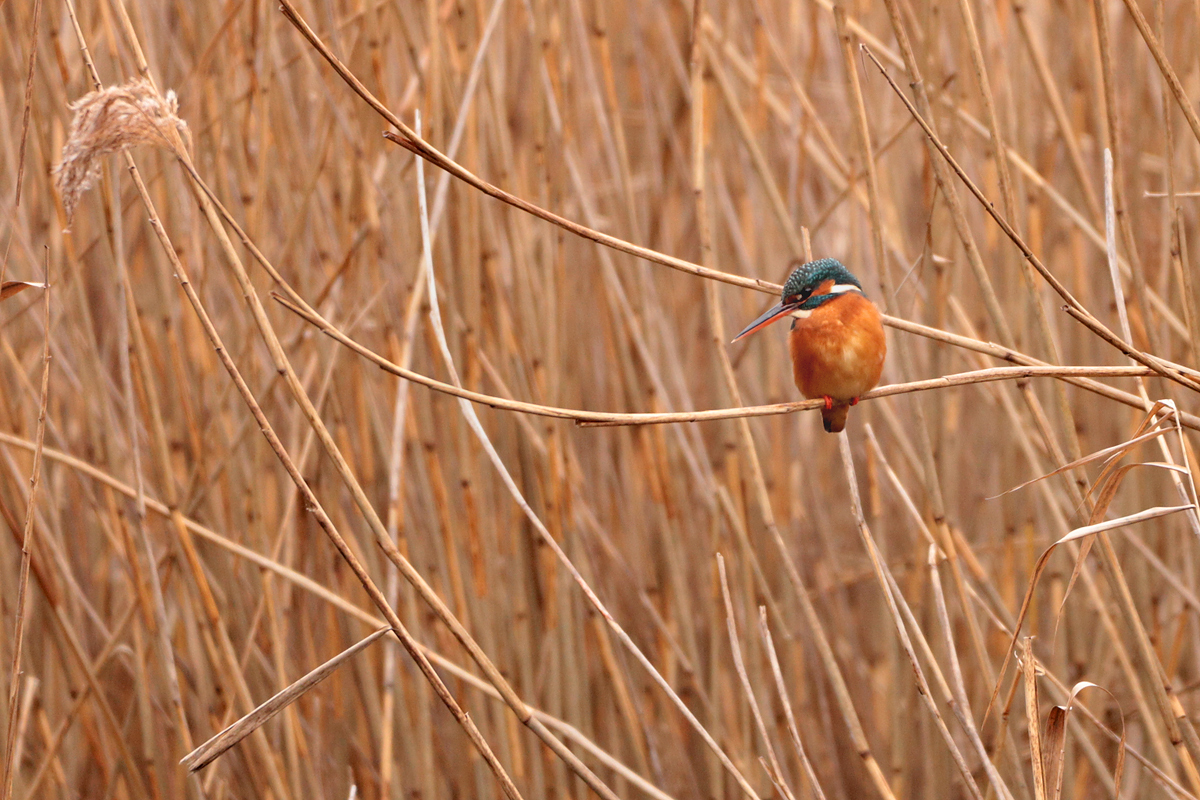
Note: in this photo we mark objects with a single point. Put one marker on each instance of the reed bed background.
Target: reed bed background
(723, 608)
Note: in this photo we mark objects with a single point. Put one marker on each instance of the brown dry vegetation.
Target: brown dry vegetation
(609, 587)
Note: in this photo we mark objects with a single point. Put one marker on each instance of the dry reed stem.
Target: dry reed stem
(735, 646)
(957, 689)
(1033, 718)
(132, 340)
(1054, 96)
(561, 556)
(1008, 200)
(781, 688)
(863, 133)
(27, 543)
(701, 56)
(28, 104)
(947, 185)
(1164, 66)
(902, 352)
(54, 741)
(523, 713)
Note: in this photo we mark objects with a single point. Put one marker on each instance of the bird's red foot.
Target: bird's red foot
(828, 403)
(853, 401)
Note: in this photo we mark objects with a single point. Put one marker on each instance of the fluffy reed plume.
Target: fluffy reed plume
(107, 120)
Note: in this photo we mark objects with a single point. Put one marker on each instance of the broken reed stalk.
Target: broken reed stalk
(28, 104)
(214, 747)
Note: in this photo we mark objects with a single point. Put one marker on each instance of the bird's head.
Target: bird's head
(809, 286)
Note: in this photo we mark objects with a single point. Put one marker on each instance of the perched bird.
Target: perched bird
(837, 341)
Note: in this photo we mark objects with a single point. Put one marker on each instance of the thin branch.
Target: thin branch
(603, 418)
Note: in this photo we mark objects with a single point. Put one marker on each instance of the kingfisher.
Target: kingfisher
(837, 342)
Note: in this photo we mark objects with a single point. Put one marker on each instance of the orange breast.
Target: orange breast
(838, 350)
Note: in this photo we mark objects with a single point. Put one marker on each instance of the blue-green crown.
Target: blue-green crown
(807, 277)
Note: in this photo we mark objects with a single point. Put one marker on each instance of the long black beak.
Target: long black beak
(768, 316)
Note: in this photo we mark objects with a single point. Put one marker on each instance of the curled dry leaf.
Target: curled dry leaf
(1108, 482)
(1108, 454)
(9, 288)
(1040, 566)
(104, 122)
(1056, 741)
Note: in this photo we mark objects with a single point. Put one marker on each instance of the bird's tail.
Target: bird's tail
(835, 418)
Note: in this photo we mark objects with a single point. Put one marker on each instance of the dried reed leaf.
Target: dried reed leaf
(1108, 489)
(1056, 750)
(106, 121)
(1040, 566)
(1108, 453)
(1055, 741)
(9, 288)
(1120, 522)
(1110, 482)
